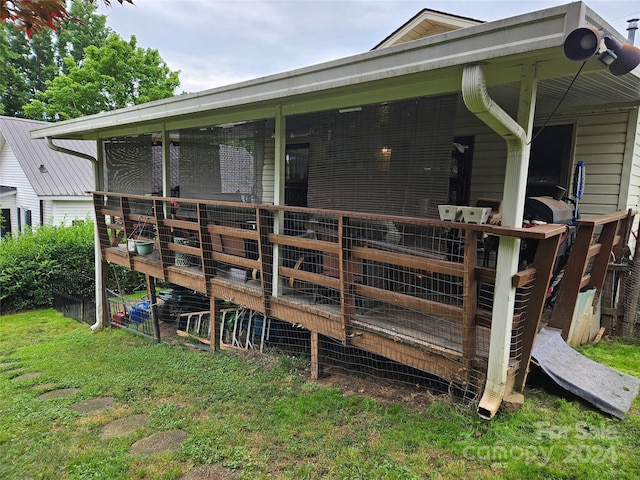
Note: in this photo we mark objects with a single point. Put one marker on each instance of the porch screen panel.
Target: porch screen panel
(390, 158)
(174, 167)
(129, 165)
(221, 162)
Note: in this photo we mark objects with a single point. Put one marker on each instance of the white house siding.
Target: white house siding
(26, 198)
(65, 211)
(600, 144)
(633, 156)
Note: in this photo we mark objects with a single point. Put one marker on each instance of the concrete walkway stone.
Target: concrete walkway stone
(26, 376)
(125, 426)
(92, 405)
(159, 442)
(58, 393)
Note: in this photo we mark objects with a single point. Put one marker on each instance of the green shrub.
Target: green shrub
(28, 261)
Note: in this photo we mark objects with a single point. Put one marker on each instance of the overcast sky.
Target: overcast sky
(218, 42)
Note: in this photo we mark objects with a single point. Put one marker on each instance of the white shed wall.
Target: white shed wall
(65, 211)
(11, 175)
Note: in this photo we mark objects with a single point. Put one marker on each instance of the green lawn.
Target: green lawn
(262, 419)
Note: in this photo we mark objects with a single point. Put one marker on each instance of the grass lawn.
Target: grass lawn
(260, 418)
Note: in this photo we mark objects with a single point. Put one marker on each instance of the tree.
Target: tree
(116, 75)
(37, 15)
(84, 27)
(28, 63)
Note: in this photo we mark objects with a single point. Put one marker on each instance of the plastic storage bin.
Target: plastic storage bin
(139, 312)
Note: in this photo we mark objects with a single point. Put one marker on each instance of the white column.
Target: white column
(278, 192)
(517, 135)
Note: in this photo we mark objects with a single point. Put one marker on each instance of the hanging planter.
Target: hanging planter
(140, 247)
(144, 247)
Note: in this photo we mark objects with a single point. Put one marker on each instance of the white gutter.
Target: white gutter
(99, 323)
(477, 100)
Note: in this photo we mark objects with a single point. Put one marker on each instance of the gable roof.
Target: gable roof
(426, 23)
(62, 174)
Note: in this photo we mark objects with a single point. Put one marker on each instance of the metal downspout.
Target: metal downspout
(97, 253)
(477, 100)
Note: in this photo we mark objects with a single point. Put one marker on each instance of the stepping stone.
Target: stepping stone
(125, 426)
(93, 404)
(59, 393)
(159, 442)
(26, 376)
(210, 472)
(43, 386)
(5, 366)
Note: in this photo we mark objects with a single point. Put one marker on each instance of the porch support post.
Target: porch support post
(278, 192)
(166, 164)
(478, 102)
(101, 267)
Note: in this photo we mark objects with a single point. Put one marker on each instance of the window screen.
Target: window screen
(389, 158)
(221, 162)
(129, 165)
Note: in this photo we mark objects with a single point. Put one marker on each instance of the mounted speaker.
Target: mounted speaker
(582, 44)
(627, 56)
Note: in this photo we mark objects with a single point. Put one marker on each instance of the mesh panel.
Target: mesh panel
(221, 162)
(391, 158)
(129, 165)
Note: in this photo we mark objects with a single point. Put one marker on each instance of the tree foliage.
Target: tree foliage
(80, 69)
(116, 75)
(35, 16)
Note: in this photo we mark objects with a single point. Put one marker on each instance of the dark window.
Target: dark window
(5, 222)
(550, 160)
(297, 175)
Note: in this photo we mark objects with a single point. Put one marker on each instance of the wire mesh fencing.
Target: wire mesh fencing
(74, 295)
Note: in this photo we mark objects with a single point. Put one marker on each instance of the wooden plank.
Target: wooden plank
(178, 247)
(423, 305)
(572, 279)
(446, 364)
(233, 292)
(310, 317)
(407, 261)
(601, 262)
(314, 356)
(524, 277)
(346, 278)
(310, 277)
(485, 275)
(543, 264)
(602, 219)
(226, 231)
(304, 243)
(235, 260)
(181, 224)
(109, 211)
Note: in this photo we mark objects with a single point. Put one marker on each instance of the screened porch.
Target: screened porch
(416, 291)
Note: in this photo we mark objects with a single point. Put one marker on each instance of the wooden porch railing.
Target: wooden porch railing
(402, 287)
